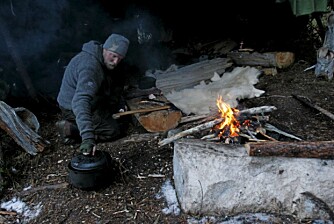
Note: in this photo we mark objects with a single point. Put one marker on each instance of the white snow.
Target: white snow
(168, 192)
(20, 207)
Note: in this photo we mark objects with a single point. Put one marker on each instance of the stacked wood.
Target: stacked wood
(191, 75)
(269, 59)
(23, 135)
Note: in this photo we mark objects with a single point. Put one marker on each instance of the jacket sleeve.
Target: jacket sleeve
(89, 80)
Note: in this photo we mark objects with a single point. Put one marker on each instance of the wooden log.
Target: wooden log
(160, 121)
(22, 134)
(191, 75)
(321, 149)
(156, 121)
(269, 59)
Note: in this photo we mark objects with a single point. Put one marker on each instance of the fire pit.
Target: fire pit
(224, 173)
(222, 179)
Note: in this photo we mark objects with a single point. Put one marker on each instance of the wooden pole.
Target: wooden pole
(325, 112)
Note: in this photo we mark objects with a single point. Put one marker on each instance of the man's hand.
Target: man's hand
(88, 147)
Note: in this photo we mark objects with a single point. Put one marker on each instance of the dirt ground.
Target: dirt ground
(133, 195)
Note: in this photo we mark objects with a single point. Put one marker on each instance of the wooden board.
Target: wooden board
(191, 75)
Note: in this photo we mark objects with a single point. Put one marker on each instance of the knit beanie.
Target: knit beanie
(117, 43)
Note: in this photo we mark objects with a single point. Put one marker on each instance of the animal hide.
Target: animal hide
(232, 86)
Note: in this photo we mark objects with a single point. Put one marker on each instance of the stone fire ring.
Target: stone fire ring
(220, 179)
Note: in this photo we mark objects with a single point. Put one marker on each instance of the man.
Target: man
(91, 91)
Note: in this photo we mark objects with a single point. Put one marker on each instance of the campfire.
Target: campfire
(237, 126)
(230, 125)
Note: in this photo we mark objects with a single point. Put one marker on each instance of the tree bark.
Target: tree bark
(320, 149)
(23, 135)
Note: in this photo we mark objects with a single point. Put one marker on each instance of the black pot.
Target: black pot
(91, 172)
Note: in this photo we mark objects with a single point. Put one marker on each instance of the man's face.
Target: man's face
(111, 59)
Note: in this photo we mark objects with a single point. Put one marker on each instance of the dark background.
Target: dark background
(46, 34)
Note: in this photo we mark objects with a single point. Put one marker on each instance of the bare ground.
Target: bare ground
(132, 197)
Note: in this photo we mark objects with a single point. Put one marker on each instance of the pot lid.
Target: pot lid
(83, 162)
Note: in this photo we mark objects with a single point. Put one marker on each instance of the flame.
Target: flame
(229, 120)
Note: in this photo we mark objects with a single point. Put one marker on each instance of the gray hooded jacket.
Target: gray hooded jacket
(82, 80)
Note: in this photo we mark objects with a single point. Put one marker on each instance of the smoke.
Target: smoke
(46, 34)
(27, 29)
(33, 24)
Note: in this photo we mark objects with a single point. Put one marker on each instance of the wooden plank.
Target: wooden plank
(191, 75)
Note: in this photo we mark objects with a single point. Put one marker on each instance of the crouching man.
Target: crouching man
(91, 91)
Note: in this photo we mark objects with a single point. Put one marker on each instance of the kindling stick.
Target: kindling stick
(198, 128)
(325, 112)
(145, 110)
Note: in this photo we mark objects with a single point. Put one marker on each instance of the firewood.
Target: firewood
(270, 127)
(258, 110)
(156, 121)
(268, 59)
(196, 129)
(22, 134)
(321, 149)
